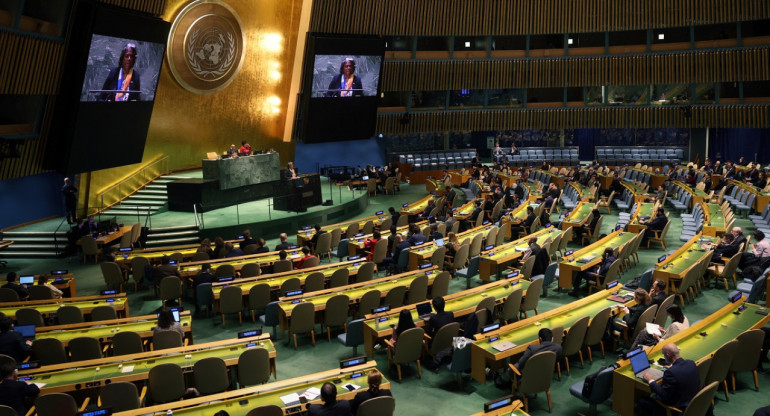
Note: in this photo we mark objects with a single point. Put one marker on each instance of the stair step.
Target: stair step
(156, 186)
(152, 192)
(142, 201)
(190, 233)
(174, 177)
(125, 212)
(29, 240)
(177, 228)
(148, 197)
(8, 234)
(25, 254)
(16, 247)
(172, 241)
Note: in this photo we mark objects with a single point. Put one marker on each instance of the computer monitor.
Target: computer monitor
(424, 309)
(364, 178)
(27, 280)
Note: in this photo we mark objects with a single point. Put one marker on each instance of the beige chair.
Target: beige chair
(747, 355)
(395, 297)
(595, 332)
(573, 342)
(200, 256)
(659, 236)
(592, 235)
(646, 317)
(339, 278)
(368, 227)
(661, 315)
(250, 270)
(598, 283)
(371, 186)
(721, 362)
(38, 292)
(727, 271)
(56, 404)
(323, 247)
(90, 248)
(698, 405)
(378, 406)
(440, 287)
(535, 377)
(532, 297)
(408, 348)
(113, 276)
(526, 269)
(461, 258)
(290, 285)
(606, 202)
(138, 264)
(388, 188)
(311, 262)
(369, 301)
(418, 290)
(352, 230)
(136, 234)
(704, 366)
(166, 383)
(336, 313)
(171, 289)
(29, 316)
(365, 272)
(282, 266)
(511, 307)
(442, 339)
(475, 246)
(336, 237)
(402, 221)
(103, 313)
(259, 297)
(380, 251)
(231, 301)
(302, 321)
(314, 282)
(437, 258)
(121, 396)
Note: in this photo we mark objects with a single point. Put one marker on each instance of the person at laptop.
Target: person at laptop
(13, 392)
(43, 280)
(653, 225)
(12, 343)
(678, 323)
(331, 406)
(19, 289)
(434, 234)
(166, 322)
(440, 318)
(680, 384)
(600, 271)
(545, 336)
(426, 213)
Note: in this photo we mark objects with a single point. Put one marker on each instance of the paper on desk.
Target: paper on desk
(39, 385)
(290, 398)
(127, 369)
(653, 329)
(311, 393)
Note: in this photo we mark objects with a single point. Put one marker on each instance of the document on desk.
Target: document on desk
(503, 346)
(290, 399)
(653, 329)
(311, 393)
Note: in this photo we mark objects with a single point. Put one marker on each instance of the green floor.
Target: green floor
(434, 393)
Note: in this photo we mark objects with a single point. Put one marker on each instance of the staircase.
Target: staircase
(34, 244)
(151, 198)
(172, 236)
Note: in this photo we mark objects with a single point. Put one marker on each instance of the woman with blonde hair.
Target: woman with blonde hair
(375, 379)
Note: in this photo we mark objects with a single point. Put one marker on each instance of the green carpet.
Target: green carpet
(434, 393)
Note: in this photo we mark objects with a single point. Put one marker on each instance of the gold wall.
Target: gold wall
(185, 125)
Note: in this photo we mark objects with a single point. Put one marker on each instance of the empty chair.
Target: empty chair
(339, 278)
(573, 342)
(137, 269)
(270, 318)
(29, 316)
(250, 269)
(747, 355)
(69, 314)
(395, 297)
(418, 290)
(440, 285)
(354, 335)
(290, 285)
(699, 404)
(365, 272)
(89, 247)
(336, 313)
(259, 297)
(225, 270)
(113, 275)
(302, 321)
(253, 367)
(49, 351)
(120, 397)
(532, 297)
(511, 307)
(601, 391)
(323, 246)
(595, 332)
(85, 348)
(211, 375)
(314, 282)
(166, 339)
(282, 266)
(535, 377)
(170, 288)
(407, 349)
(103, 313)
(369, 301)
(166, 383)
(231, 301)
(56, 404)
(721, 362)
(124, 343)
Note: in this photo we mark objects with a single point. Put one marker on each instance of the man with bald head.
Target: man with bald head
(729, 250)
(680, 383)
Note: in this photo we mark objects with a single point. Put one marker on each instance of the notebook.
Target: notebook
(586, 259)
(424, 310)
(641, 366)
(503, 346)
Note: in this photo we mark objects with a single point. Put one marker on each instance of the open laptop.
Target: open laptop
(27, 280)
(641, 365)
(26, 331)
(439, 242)
(424, 310)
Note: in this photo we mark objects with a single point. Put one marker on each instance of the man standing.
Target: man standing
(70, 195)
(680, 383)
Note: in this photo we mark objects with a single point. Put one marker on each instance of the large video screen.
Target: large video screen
(346, 76)
(341, 87)
(121, 69)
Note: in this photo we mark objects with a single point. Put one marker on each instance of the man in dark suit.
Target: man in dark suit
(261, 246)
(417, 237)
(615, 186)
(19, 289)
(434, 234)
(70, 194)
(658, 292)
(608, 256)
(284, 245)
(12, 343)
(318, 232)
(730, 246)
(247, 240)
(655, 224)
(440, 318)
(545, 337)
(331, 406)
(680, 384)
(165, 269)
(399, 245)
(14, 392)
(394, 215)
(516, 229)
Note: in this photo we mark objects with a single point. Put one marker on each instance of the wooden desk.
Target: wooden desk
(108, 238)
(263, 259)
(155, 254)
(435, 185)
(354, 292)
(84, 303)
(493, 261)
(516, 217)
(713, 220)
(416, 208)
(63, 378)
(676, 265)
(420, 254)
(105, 330)
(554, 178)
(720, 327)
(522, 333)
(567, 267)
(239, 402)
(458, 178)
(380, 327)
(465, 211)
(306, 234)
(762, 198)
(64, 282)
(578, 216)
(356, 244)
(698, 196)
(583, 191)
(534, 191)
(640, 195)
(646, 209)
(514, 409)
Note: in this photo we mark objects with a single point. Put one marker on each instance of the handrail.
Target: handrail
(132, 183)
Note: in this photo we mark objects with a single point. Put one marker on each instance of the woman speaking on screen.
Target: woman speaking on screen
(123, 78)
(346, 83)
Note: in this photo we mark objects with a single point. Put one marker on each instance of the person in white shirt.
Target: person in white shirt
(55, 292)
(678, 323)
(762, 246)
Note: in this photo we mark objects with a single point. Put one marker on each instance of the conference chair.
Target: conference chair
(602, 390)
(408, 348)
(103, 313)
(166, 339)
(532, 298)
(368, 227)
(282, 266)
(302, 321)
(85, 348)
(661, 316)
(437, 258)
(270, 318)
(204, 297)
(336, 313)
(698, 405)
(511, 306)
(548, 276)
(29, 316)
(121, 396)
(535, 377)
(323, 247)
(200, 256)
(747, 355)
(573, 342)
(170, 288)
(526, 268)
(253, 367)
(721, 362)
(365, 272)
(177, 257)
(211, 375)
(394, 298)
(56, 404)
(7, 411)
(290, 285)
(250, 270)
(339, 278)
(266, 410)
(49, 351)
(231, 301)
(8, 295)
(166, 383)
(704, 366)
(418, 290)
(380, 251)
(225, 270)
(259, 297)
(354, 335)
(113, 276)
(336, 237)
(441, 340)
(314, 282)
(378, 406)
(440, 287)
(369, 301)
(138, 265)
(352, 230)
(125, 343)
(69, 314)
(38, 292)
(90, 248)
(311, 262)
(595, 332)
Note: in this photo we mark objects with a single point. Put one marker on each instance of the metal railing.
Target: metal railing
(116, 193)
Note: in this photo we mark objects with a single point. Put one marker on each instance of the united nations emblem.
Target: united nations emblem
(206, 46)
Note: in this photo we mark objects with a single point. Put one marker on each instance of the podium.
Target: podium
(298, 194)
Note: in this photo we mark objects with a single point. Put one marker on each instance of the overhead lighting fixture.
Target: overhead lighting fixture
(569, 41)
(467, 44)
(661, 36)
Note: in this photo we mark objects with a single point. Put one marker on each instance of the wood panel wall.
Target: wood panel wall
(518, 17)
(750, 64)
